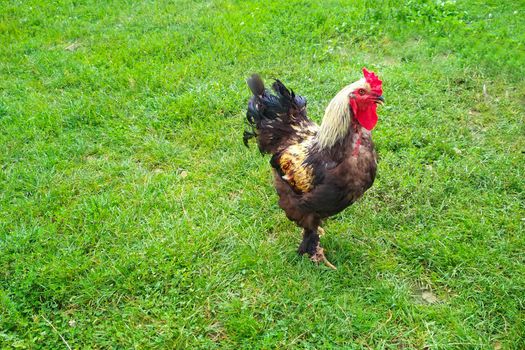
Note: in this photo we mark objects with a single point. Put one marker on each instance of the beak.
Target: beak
(380, 100)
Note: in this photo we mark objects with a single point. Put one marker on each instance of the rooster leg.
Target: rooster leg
(319, 256)
(320, 231)
(311, 246)
(309, 243)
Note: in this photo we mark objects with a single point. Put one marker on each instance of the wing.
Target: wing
(292, 166)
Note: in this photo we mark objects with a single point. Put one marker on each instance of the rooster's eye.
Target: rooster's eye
(361, 91)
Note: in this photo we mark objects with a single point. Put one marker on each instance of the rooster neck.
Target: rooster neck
(357, 143)
(327, 137)
(355, 140)
(338, 120)
(347, 136)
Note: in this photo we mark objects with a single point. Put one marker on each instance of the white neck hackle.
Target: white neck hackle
(338, 116)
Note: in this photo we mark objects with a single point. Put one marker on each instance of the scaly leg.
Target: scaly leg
(311, 246)
(319, 256)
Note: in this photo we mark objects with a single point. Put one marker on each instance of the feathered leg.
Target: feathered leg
(310, 244)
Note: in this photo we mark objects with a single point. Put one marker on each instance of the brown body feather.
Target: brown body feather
(325, 183)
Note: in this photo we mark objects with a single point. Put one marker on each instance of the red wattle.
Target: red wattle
(367, 117)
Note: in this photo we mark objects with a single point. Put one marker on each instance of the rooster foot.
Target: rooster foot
(319, 257)
(320, 231)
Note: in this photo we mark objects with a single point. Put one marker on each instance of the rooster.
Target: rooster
(318, 170)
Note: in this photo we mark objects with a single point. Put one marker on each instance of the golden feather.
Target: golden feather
(292, 163)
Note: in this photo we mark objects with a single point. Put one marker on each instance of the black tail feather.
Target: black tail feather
(270, 118)
(256, 84)
(287, 97)
(247, 136)
(282, 91)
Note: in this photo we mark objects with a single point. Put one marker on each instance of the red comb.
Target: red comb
(373, 80)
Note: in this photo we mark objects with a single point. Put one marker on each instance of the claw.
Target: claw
(319, 256)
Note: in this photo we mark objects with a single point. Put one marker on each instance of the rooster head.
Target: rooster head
(364, 98)
(356, 102)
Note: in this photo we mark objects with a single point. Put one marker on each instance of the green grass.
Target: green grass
(131, 215)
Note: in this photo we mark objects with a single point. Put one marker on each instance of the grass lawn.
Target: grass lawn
(132, 216)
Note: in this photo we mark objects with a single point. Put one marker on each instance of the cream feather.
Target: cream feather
(338, 116)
